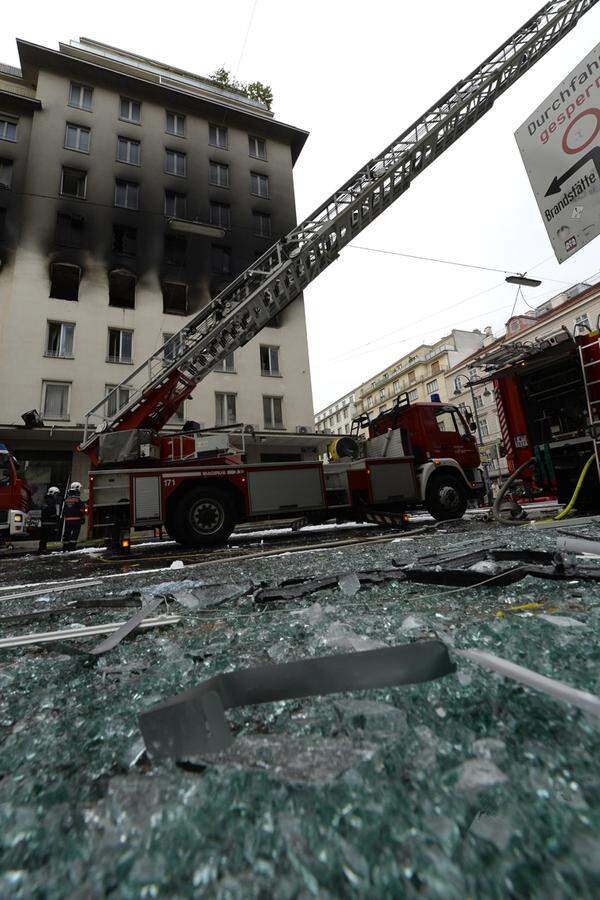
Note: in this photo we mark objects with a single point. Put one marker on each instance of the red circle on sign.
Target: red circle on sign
(586, 112)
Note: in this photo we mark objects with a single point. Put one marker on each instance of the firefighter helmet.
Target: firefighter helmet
(75, 486)
(53, 490)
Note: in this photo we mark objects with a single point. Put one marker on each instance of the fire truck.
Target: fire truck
(15, 498)
(199, 485)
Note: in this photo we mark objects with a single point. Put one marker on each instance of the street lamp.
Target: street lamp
(486, 393)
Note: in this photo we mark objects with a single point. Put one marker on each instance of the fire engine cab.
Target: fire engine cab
(15, 498)
(200, 485)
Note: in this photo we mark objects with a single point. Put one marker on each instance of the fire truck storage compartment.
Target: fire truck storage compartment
(274, 489)
(146, 493)
(110, 488)
(553, 395)
(392, 480)
(336, 483)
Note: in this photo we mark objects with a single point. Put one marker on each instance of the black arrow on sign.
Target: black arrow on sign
(557, 183)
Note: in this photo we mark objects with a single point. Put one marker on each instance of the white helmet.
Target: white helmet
(53, 490)
(75, 486)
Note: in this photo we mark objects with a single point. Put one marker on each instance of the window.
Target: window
(478, 401)
(262, 224)
(412, 377)
(171, 350)
(272, 411)
(59, 340)
(584, 321)
(175, 124)
(484, 428)
(413, 396)
(175, 298)
(458, 383)
(337, 417)
(175, 162)
(69, 230)
(6, 170)
(381, 395)
(220, 214)
(221, 260)
(73, 183)
(124, 240)
(116, 400)
(127, 194)
(445, 420)
(259, 184)
(269, 360)
(64, 281)
(119, 345)
(432, 386)
(55, 399)
(175, 204)
(227, 364)
(8, 128)
(175, 250)
(80, 96)
(77, 138)
(369, 402)
(129, 151)
(257, 147)
(130, 110)
(396, 386)
(217, 136)
(435, 367)
(225, 413)
(121, 289)
(218, 173)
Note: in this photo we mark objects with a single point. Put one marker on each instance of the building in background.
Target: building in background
(101, 152)
(337, 417)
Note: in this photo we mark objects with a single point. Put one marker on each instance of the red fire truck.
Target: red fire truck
(199, 485)
(15, 498)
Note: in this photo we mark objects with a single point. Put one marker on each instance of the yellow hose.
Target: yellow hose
(568, 508)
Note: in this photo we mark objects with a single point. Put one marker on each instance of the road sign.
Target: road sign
(560, 146)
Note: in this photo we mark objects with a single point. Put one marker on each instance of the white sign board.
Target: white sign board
(560, 146)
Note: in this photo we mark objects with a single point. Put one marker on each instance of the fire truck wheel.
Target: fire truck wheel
(204, 517)
(445, 497)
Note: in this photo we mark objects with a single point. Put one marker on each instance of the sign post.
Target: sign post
(560, 146)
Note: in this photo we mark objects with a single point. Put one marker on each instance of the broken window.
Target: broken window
(64, 281)
(124, 240)
(117, 397)
(220, 214)
(69, 230)
(129, 151)
(175, 162)
(121, 289)
(55, 399)
(175, 204)
(120, 342)
(130, 110)
(273, 412)
(59, 340)
(77, 138)
(257, 147)
(175, 298)
(6, 170)
(259, 184)
(225, 412)
(262, 224)
(80, 96)
(8, 128)
(127, 194)
(175, 250)
(73, 183)
(175, 124)
(269, 360)
(221, 260)
(218, 136)
(218, 173)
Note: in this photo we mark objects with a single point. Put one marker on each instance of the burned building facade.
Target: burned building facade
(130, 193)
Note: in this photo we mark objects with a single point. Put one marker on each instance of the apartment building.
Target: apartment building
(131, 192)
(577, 307)
(337, 417)
(419, 374)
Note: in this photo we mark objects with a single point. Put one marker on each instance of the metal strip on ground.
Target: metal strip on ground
(67, 634)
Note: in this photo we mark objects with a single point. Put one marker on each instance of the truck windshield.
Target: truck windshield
(449, 420)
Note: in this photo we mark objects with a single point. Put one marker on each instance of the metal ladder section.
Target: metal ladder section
(242, 309)
(589, 358)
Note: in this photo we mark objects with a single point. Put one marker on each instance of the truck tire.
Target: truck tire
(203, 518)
(445, 497)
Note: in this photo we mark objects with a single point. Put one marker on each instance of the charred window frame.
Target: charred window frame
(175, 204)
(220, 214)
(259, 185)
(124, 240)
(77, 138)
(80, 96)
(175, 124)
(175, 163)
(6, 174)
(129, 151)
(69, 230)
(130, 110)
(257, 147)
(218, 136)
(8, 128)
(175, 250)
(175, 298)
(64, 281)
(121, 289)
(120, 345)
(218, 174)
(127, 194)
(59, 340)
(220, 260)
(262, 224)
(73, 183)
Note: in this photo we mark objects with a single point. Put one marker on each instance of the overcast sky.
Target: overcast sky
(355, 74)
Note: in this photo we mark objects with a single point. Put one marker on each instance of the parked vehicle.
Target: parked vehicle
(15, 499)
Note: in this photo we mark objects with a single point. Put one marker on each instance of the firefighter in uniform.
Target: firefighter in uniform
(50, 518)
(72, 516)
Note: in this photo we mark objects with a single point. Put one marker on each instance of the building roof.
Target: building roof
(205, 98)
(13, 71)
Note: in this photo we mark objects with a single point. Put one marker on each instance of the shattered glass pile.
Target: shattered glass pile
(470, 785)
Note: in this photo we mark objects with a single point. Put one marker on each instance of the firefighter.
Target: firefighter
(72, 516)
(50, 518)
